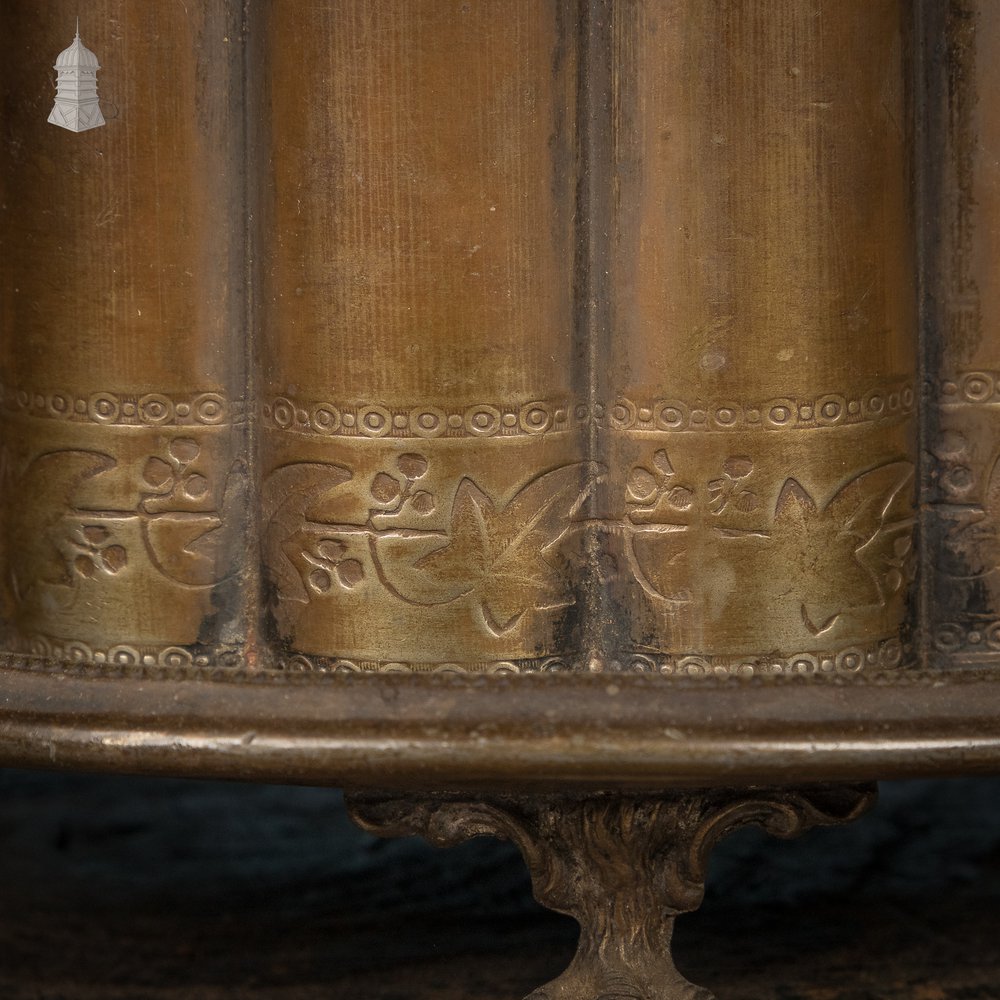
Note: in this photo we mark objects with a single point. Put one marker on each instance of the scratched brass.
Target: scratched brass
(422, 456)
(733, 470)
(961, 597)
(583, 336)
(763, 350)
(123, 329)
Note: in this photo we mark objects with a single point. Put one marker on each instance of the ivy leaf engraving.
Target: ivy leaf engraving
(38, 534)
(877, 512)
(196, 549)
(872, 500)
(657, 555)
(971, 544)
(501, 555)
(289, 493)
(465, 558)
(853, 542)
(177, 544)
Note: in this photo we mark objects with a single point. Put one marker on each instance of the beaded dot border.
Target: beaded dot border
(374, 420)
(45, 653)
(152, 409)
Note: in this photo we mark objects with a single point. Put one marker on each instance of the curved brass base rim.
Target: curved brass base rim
(524, 732)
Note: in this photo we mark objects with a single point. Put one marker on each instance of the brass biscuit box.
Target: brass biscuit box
(577, 420)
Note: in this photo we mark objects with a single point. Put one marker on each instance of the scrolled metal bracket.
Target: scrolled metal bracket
(624, 866)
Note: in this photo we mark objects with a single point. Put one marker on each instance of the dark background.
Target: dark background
(115, 887)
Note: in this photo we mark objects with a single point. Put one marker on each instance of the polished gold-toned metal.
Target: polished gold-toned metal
(625, 867)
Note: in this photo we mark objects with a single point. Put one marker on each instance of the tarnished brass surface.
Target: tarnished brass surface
(625, 867)
(572, 335)
(420, 454)
(509, 337)
(710, 463)
(122, 361)
(761, 350)
(960, 202)
(502, 337)
(533, 733)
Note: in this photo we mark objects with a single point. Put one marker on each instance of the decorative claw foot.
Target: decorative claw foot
(624, 866)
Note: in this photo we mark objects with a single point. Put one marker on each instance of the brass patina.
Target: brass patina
(555, 400)
(624, 866)
(501, 398)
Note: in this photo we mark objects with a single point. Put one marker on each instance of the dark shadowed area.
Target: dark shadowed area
(118, 888)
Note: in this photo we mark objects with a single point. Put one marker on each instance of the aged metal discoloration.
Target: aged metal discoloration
(764, 320)
(514, 402)
(555, 433)
(960, 600)
(763, 295)
(518, 406)
(123, 471)
(89, 526)
(513, 396)
(417, 299)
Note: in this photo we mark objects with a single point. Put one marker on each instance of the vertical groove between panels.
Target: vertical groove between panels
(921, 82)
(247, 180)
(591, 269)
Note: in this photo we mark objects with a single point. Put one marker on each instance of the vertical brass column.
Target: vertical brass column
(422, 451)
(121, 358)
(961, 235)
(762, 424)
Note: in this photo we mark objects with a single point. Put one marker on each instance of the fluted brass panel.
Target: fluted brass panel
(763, 358)
(422, 454)
(961, 230)
(565, 335)
(122, 357)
